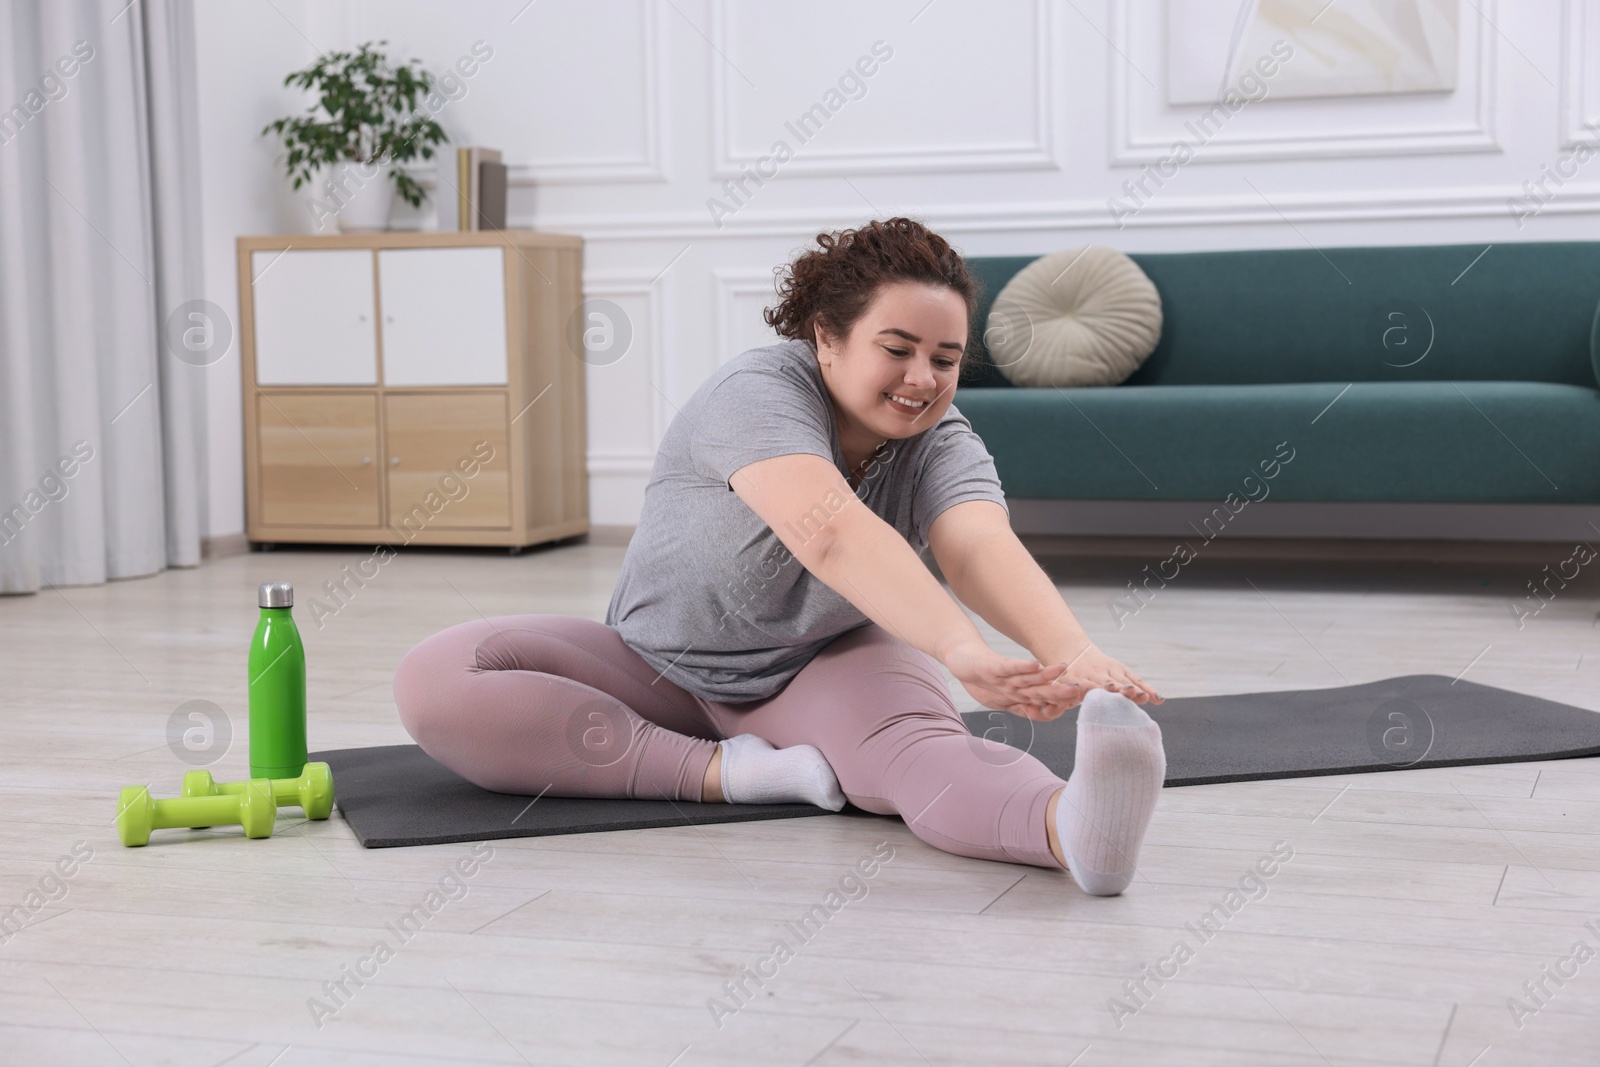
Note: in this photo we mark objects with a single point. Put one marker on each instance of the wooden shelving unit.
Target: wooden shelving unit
(406, 388)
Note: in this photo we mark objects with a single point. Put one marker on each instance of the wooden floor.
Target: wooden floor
(1415, 905)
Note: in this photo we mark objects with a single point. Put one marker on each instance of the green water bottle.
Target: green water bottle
(277, 688)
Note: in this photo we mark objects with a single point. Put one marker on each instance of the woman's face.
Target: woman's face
(907, 344)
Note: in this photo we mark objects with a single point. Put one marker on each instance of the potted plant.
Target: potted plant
(364, 121)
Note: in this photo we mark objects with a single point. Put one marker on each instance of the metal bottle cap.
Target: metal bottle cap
(277, 595)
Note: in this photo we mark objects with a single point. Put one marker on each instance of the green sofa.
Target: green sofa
(1439, 373)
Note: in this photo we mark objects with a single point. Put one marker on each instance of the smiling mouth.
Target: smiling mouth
(908, 406)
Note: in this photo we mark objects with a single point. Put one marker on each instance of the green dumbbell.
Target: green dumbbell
(313, 790)
(252, 807)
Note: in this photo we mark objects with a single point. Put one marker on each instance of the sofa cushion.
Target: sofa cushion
(1080, 317)
(1506, 312)
(1467, 441)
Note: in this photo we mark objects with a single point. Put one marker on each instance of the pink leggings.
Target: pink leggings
(531, 704)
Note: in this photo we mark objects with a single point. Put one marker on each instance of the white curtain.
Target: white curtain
(101, 424)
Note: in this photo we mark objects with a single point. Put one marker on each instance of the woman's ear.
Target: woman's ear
(824, 342)
(820, 335)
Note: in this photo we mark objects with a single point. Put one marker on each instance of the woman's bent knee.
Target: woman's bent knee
(427, 683)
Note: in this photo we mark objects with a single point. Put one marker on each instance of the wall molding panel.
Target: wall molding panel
(1417, 203)
(647, 348)
(647, 166)
(730, 286)
(1580, 95)
(955, 155)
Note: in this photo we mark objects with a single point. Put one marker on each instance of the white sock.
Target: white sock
(753, 772)
(1111, 794)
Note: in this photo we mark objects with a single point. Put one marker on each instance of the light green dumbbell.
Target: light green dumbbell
(252, 807)
(313, 790)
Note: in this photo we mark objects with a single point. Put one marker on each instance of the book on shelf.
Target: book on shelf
(471, 189)
(491, 210)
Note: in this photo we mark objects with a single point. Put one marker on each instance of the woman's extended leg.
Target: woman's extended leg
(881, 714)
(536, 703)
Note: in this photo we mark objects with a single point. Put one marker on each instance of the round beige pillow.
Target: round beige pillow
(1085, 316)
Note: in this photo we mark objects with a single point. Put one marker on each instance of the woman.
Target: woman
(775, 637)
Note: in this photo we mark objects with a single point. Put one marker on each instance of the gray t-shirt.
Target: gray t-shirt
(708, 595)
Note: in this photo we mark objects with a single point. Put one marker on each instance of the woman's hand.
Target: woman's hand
(1093, 669)
(1037, 691)
(1022, 687)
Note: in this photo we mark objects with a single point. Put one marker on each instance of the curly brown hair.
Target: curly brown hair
(834, 283)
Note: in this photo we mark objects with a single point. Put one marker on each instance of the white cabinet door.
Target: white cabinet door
(314, 312)
(444, 316)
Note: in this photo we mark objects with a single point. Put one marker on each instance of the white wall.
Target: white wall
(243, 51)
(1004, 124)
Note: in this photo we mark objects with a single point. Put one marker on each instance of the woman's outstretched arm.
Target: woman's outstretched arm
(994, 574)
(807, 503)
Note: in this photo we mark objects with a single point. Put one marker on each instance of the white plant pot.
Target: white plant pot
(354, 197)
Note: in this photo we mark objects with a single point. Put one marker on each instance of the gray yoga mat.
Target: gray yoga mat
(398, 795)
